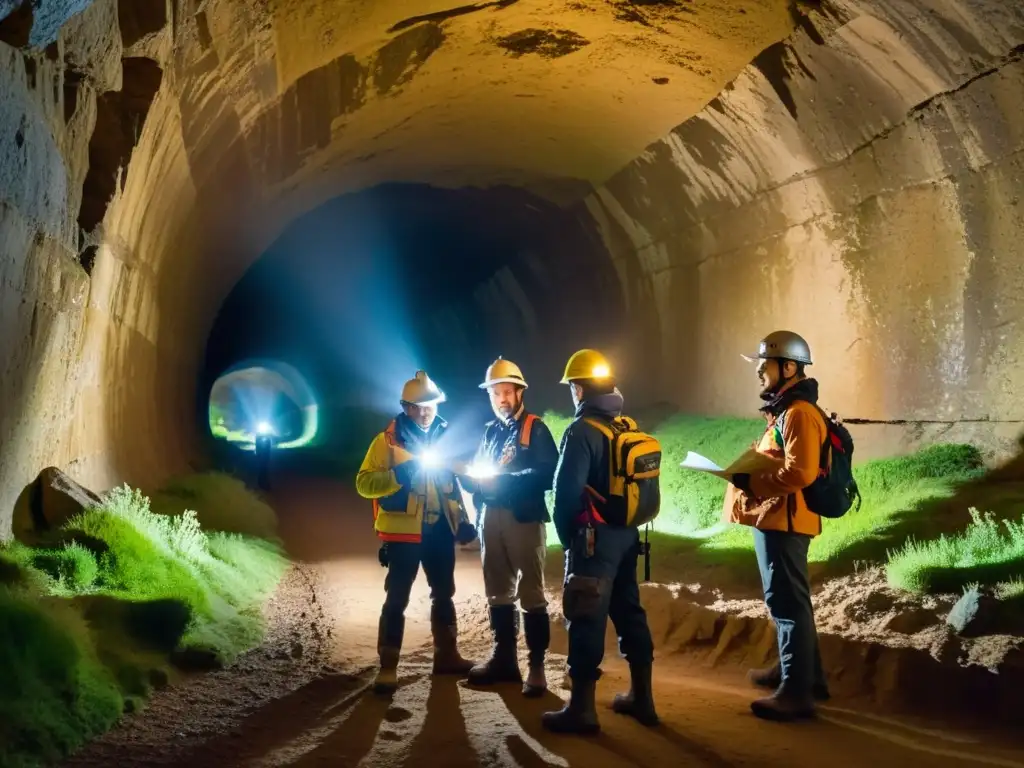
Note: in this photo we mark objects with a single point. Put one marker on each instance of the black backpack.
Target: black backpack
(833, 492)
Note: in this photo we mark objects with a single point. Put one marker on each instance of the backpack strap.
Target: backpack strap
(825, 453)
(601, 427)
(524, 433)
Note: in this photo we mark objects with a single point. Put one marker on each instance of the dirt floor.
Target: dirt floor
(303, 698)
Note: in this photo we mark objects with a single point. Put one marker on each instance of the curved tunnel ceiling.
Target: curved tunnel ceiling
(867, 168)
(283, 106)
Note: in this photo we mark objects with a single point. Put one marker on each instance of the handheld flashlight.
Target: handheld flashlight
(429, 459)
(481, 471)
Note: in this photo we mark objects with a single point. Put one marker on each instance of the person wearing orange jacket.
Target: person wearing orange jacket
(773, 504)
(419, 516)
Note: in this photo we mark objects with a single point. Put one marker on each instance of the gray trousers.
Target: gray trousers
(512, 554)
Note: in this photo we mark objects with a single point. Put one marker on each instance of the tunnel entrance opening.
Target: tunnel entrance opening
(263, 398)
(369, 288)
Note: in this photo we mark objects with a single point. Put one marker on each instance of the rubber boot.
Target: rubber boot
(639, 702)
(447, 659)
(771, 678)
(784, 706)
(537, 627)
(389, 648)
(579, 716)
(386, 681)
(503, 665)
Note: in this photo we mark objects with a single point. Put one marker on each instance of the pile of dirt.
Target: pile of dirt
(881, 648)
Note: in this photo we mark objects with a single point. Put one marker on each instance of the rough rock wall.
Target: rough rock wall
(860, 183)
(81, 383)
(150, 151)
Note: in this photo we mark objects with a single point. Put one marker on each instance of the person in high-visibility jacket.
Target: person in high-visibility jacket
(418, 515)
(515, 466)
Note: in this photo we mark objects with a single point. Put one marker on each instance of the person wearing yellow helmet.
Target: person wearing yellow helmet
(514, 468)
(418, 515)
(601, 558)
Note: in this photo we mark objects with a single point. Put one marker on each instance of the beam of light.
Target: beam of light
(482, 470)
(430, 458)
(264, 428)
(601, 371)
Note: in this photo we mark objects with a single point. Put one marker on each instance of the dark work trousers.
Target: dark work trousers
(602, 586)
(437, 555)
(782, 558)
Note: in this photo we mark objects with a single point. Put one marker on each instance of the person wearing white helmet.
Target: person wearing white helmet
(514, 467)
(776, 505)
(418, 515)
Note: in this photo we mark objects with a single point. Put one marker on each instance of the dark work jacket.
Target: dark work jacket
(525, 474)
(583, 461)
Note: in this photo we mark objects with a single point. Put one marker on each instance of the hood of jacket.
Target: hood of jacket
(802, 389)
(607, 406)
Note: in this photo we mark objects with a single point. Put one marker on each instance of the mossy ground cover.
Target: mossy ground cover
(915, 497)
(91, 620)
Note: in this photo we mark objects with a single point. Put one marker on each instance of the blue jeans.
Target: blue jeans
(600, 587)
(782, 559)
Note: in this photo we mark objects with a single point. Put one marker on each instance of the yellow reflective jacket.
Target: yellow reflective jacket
(400, 512)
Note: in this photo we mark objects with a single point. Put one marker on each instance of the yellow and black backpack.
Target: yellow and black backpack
(634, 472)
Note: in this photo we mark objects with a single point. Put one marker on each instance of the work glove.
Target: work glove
(382, 555)
(466, 533)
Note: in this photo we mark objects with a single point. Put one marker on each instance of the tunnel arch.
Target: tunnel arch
(874, 149)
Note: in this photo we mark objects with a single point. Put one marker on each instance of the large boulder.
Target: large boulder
(48, 503)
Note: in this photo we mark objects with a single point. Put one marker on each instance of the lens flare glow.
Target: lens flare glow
(601, 371)
(430, 459)
(481, 471)
(264, 428)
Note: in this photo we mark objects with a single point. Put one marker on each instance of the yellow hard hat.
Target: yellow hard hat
(421, 390)
(587, 364)
(503, 371)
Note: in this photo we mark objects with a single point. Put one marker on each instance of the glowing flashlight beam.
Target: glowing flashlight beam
(264, 428)
(601, 371)
(430, 459)
(481, 471)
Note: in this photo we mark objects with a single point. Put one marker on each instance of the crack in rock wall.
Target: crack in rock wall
(860, 183)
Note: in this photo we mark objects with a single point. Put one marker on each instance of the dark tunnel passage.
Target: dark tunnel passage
(369, 288)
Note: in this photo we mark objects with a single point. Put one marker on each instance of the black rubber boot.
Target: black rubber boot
(537, 627)
(503, 665)
(639, 702)
(771, 678)
(579, 716)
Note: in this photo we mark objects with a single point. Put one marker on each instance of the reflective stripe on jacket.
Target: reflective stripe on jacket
(400, 512)
(776, 500)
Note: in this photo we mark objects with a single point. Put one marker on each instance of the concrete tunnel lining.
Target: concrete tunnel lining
(873, 118)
